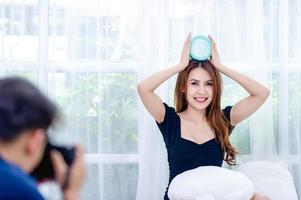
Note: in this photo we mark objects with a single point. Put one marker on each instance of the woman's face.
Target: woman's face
(199, 91)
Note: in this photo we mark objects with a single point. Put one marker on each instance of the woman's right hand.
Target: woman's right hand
(185, 53)
(152, 101)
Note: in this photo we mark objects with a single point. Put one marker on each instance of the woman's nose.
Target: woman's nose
(201, 89)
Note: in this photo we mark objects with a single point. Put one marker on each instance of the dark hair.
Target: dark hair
(23, 107)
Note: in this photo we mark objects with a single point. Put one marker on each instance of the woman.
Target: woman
(198, 120)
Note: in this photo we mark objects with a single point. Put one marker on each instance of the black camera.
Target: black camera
(45, 169)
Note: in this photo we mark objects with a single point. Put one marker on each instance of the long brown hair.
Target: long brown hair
(214, 114)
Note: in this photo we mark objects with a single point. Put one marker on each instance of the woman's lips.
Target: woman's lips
(200, 99)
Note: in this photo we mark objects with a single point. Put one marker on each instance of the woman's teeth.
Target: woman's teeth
(200, 99)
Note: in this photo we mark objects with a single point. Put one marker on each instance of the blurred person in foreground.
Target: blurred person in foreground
(25, 116)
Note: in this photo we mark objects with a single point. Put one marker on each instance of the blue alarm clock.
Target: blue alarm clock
(200, 48)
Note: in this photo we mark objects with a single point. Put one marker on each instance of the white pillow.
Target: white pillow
(270, 178)
(210, 183)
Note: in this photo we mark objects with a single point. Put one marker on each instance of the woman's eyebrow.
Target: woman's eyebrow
(210, 80)
(194, 80)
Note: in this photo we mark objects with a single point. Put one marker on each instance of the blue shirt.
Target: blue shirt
(16, 184)
(184, 154)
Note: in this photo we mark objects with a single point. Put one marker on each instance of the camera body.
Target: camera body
(45, 169)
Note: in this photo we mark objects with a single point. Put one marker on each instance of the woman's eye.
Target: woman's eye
(194, 83)
(209, 84)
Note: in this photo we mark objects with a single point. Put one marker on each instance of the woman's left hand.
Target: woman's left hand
(215, 60)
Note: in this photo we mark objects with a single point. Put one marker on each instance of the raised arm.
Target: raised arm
(151, 101)
(258, 93)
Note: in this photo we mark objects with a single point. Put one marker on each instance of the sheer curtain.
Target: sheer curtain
(253, 37)
(153, 55)
(83, 55)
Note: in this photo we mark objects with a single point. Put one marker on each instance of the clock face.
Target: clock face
(200, 48)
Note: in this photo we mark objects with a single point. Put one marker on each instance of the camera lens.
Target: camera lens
(45, 170)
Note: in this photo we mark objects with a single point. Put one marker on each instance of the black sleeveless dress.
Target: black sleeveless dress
(184, 154)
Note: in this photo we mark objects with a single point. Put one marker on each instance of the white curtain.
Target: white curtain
(252, 37)
(153, 55)
(82, 54)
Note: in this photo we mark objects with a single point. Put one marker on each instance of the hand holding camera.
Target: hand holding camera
(62, 164)
(70, 178)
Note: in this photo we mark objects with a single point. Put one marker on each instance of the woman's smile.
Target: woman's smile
(200, 99)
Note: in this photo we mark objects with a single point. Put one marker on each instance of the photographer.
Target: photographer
(25, 116)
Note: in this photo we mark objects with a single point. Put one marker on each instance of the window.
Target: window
(84, 59)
